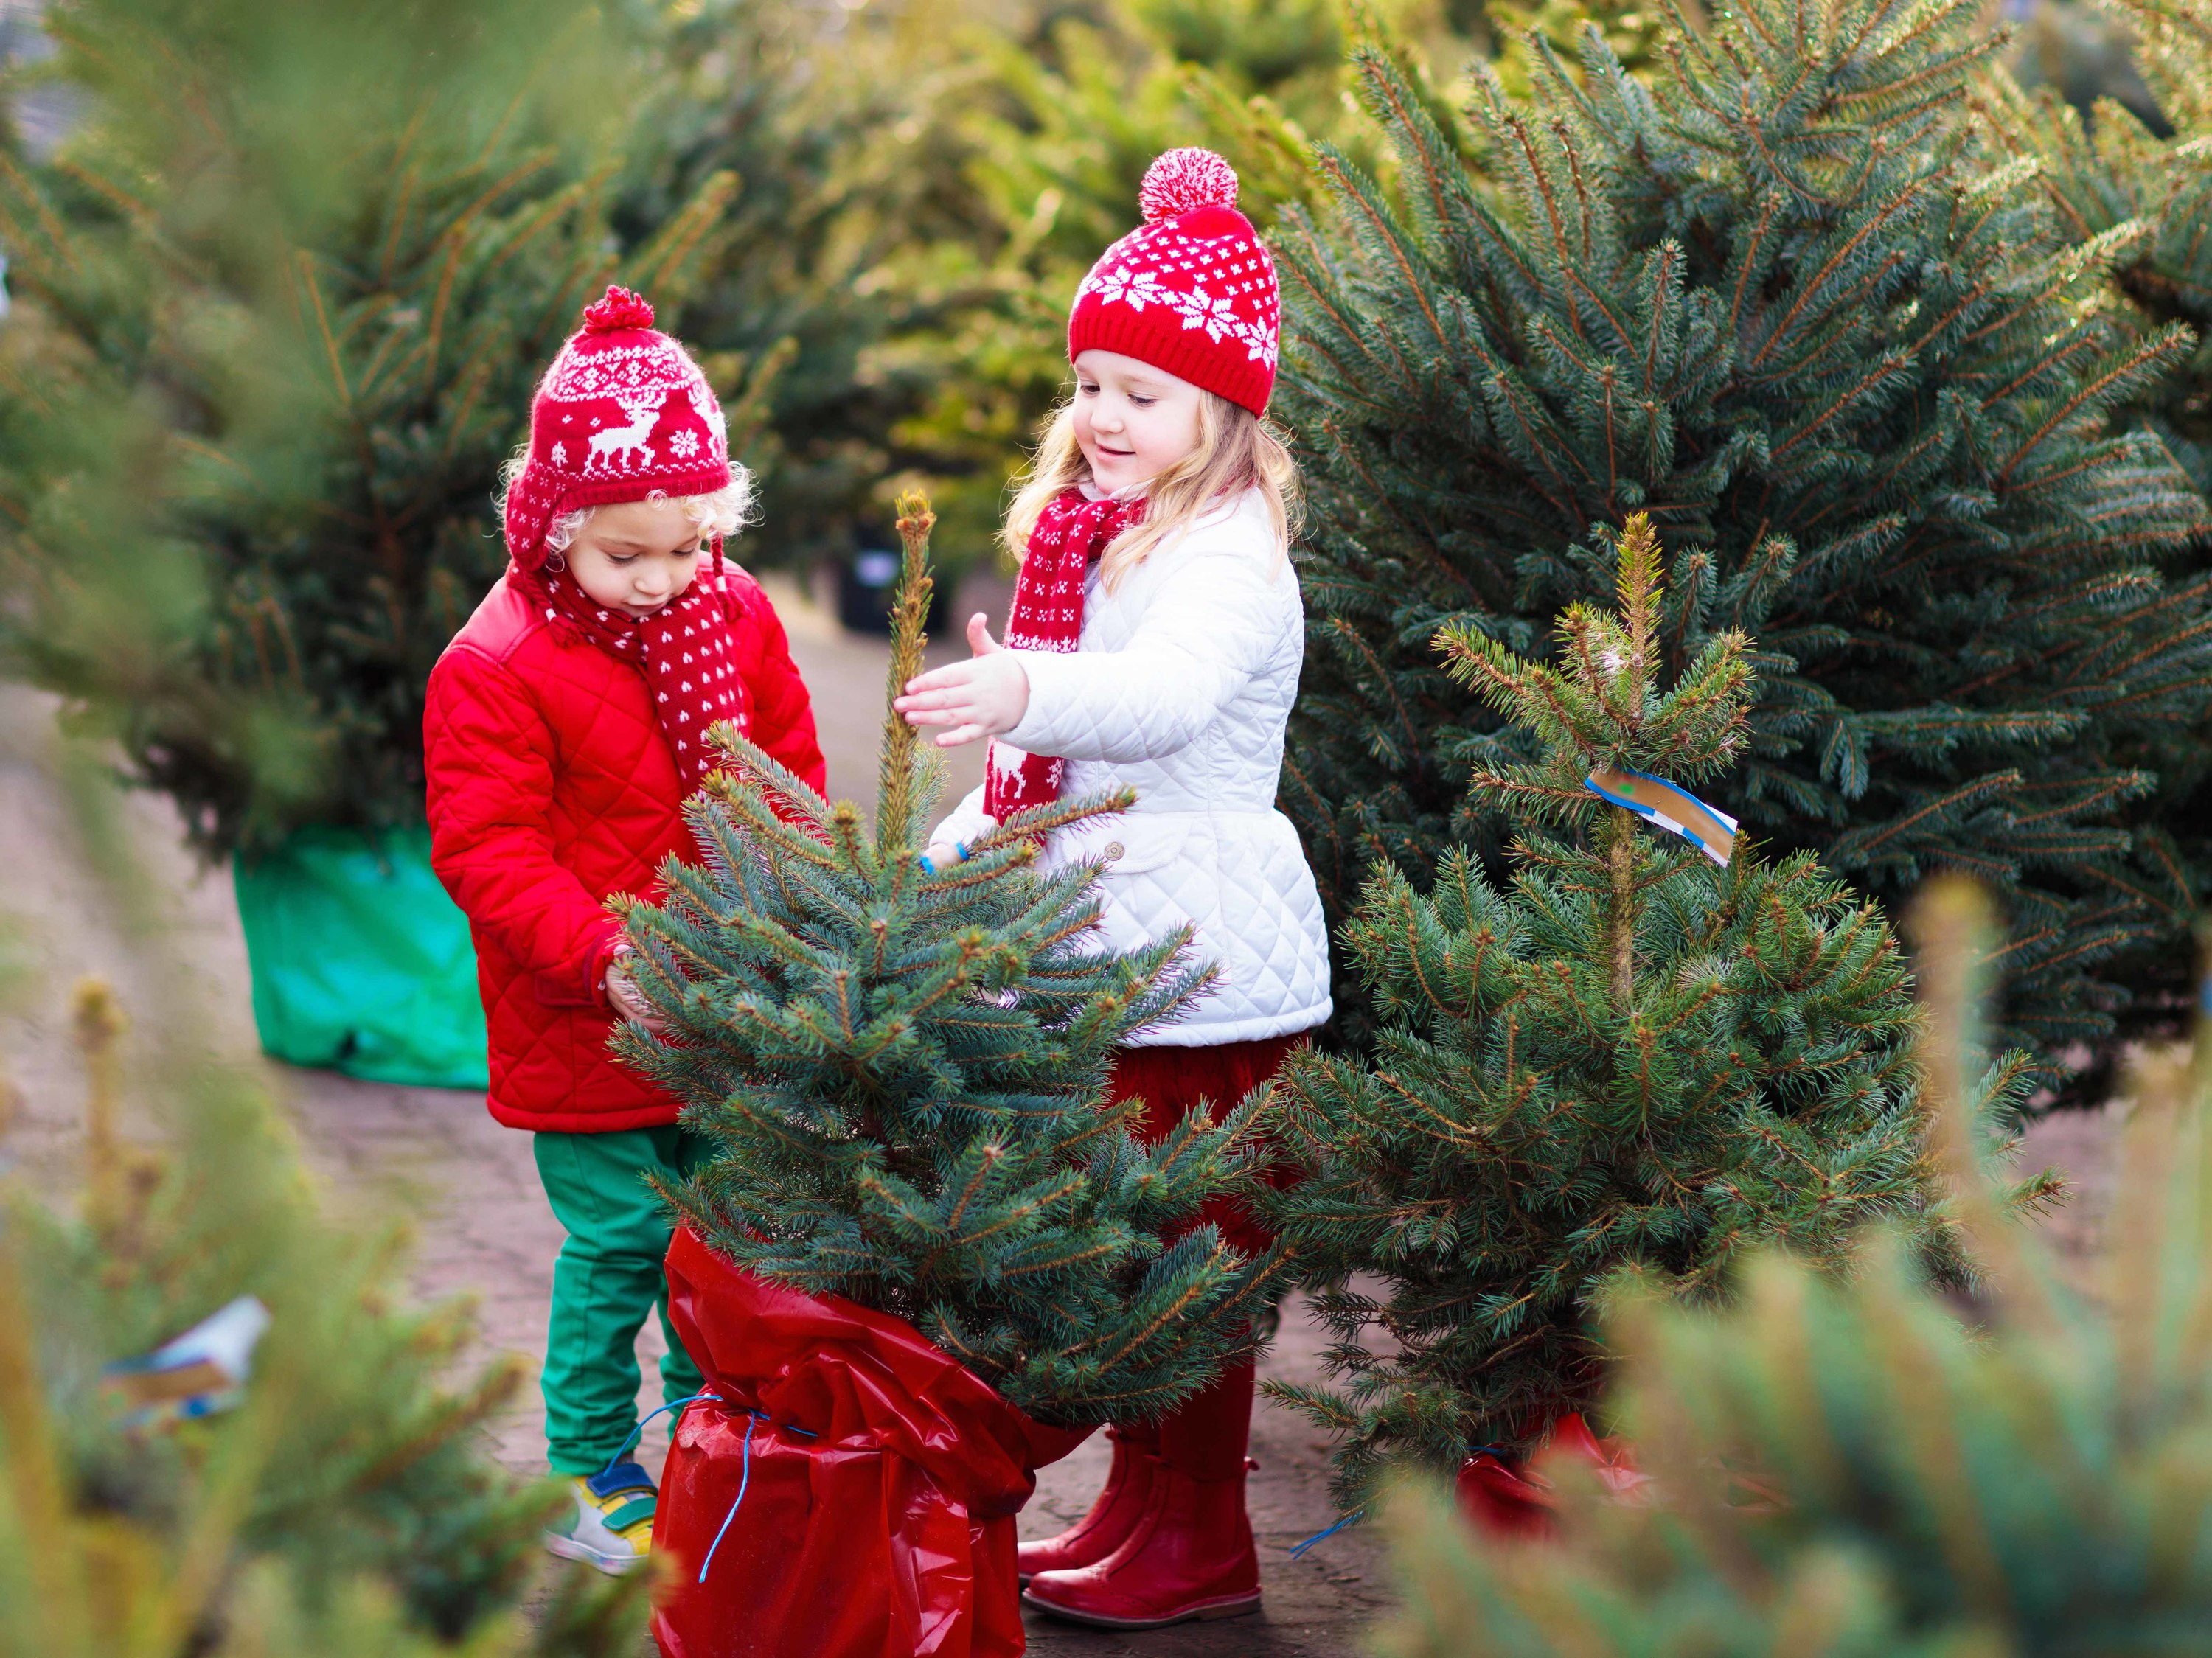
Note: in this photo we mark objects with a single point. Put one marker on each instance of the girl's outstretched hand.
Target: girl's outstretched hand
(983, 696)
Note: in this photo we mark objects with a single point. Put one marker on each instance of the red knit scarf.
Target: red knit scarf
(688, 651)
(1047, 615)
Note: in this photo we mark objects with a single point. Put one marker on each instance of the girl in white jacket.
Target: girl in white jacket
(1154, 642)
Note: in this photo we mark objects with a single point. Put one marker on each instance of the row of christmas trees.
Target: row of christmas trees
(1632, 1113)
(904, 1060)
(1871, 386)
(1632, 1051)
(1910, 373)
(1885, 494)
(1880, 389)
(272, 331)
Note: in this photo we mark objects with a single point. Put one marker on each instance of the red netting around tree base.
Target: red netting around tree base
(879, 1480)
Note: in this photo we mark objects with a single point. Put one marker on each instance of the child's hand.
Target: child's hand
(983, 696)
(629, 1003)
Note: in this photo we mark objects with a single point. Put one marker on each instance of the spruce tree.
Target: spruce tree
(1766, 300)
(1629, 1054)
(282, 294)
(903, 1071)
(346, 1501)
(1631, 31)
(1845, 1468)
(2137, 188)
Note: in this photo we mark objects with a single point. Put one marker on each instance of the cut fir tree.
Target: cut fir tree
(903, 1072)
(2144, 201)
(1764, 296)
(287, 282)
(1635, 1054)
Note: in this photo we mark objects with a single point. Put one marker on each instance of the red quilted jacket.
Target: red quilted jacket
(550, 787)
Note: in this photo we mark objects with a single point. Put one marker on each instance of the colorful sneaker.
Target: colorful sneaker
(612, 1526)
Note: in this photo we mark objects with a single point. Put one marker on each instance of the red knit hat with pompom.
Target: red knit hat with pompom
(1191, 290)
(622, 411)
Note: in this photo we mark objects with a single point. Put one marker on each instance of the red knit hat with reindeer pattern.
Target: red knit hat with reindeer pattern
(622, 412)
(1191, 290)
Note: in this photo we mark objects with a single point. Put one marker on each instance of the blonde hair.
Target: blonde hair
(722, 512)
(1237, 450)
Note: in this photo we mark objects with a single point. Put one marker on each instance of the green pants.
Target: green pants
(607, 1277)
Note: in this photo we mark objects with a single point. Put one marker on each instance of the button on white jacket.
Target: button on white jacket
(1180, 691)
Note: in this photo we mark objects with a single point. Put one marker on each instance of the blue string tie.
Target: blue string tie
(673, 1405)
(1297, 1550)
(753, 1418)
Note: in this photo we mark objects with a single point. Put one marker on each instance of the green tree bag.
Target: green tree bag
(362, 964)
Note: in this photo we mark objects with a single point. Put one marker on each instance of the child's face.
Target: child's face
(1133, 421)
(636, 556)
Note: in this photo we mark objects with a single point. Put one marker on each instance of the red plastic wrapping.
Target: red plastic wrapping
(1508, 1501)
(888, 1533)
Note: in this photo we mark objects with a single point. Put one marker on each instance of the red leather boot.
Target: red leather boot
(1112, 1517)
(1190, 1554)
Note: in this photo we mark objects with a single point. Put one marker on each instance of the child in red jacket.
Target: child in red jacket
(566, 725)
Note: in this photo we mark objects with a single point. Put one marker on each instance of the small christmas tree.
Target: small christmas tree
(1842, 1468)
(1633, 1053)
(1765, 296)
(904, 1070)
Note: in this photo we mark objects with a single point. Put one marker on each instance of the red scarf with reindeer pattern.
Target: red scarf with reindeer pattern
(1072, 533)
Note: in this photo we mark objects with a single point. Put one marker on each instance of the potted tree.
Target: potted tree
(1653, 1048)
(926, 1257)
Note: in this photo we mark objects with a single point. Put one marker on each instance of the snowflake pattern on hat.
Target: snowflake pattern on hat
(1192, 290)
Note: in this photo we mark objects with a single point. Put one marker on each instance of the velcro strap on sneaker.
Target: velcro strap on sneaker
(622, 1519)
(623, 1477)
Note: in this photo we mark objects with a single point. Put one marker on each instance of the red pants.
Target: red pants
(1171, 1080)
(1169, 1538)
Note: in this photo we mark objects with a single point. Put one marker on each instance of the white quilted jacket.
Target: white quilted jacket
(1180, 691)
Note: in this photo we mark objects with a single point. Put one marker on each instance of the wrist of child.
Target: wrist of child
(1012, 699)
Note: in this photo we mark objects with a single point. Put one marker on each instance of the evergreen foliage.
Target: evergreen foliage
(1764, 299)
(1631, 33)
(832, 131)
(904, 1072)
(278, 325)
(347, 1506)
(1049, 120)
(2137, 185)
(1628, 1056)
(1843, 1467)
